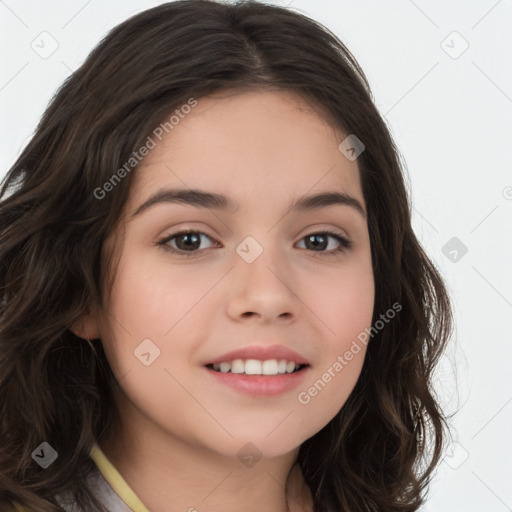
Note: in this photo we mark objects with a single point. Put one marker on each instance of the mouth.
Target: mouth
(268, 368)
(258, 378)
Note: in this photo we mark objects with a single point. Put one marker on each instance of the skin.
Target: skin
(180, 429)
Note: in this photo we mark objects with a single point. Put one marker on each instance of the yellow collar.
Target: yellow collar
(116, 481)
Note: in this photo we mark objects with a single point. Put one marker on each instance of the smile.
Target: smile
(257, 367)
(259, 384)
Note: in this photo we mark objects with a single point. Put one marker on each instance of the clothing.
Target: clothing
(108, 486)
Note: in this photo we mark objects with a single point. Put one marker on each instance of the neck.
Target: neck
(171, 475)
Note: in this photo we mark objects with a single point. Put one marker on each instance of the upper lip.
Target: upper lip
(260, 352)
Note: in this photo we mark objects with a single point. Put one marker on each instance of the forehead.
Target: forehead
(249, 145)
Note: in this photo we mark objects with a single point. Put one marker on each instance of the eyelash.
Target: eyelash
(345, 243)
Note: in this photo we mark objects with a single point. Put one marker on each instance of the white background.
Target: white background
(451, 116)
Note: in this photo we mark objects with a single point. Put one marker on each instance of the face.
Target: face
(253, 273)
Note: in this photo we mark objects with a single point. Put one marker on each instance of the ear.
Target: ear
(86, 326)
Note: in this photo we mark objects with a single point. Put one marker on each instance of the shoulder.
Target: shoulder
(101, 490)
(98, 486)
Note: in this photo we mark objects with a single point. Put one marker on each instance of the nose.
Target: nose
(263, 290)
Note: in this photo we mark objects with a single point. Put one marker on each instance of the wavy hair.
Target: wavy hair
(379, 452)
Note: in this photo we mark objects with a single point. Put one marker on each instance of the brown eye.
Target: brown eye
(188, 241)
(319, 242)
(184, 242)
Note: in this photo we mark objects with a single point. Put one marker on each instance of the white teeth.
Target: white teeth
(257, 367)
(270, 367)
(225, 367)
(237, 366)
(253, 367)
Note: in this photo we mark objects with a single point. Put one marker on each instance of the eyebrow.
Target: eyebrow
(212, 200)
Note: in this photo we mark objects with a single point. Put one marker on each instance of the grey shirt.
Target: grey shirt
(102, 490)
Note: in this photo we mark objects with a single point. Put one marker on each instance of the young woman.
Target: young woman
(212, 295)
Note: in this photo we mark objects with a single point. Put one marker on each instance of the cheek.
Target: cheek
(328, 389)
(152, 301)
(343, 301)
(149, 298)
(345, 307)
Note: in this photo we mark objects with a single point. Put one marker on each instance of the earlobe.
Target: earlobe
(86, 327)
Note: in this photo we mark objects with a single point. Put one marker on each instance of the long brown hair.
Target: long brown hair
(378, 453)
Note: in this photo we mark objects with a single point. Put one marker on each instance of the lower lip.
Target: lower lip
(260, 385)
